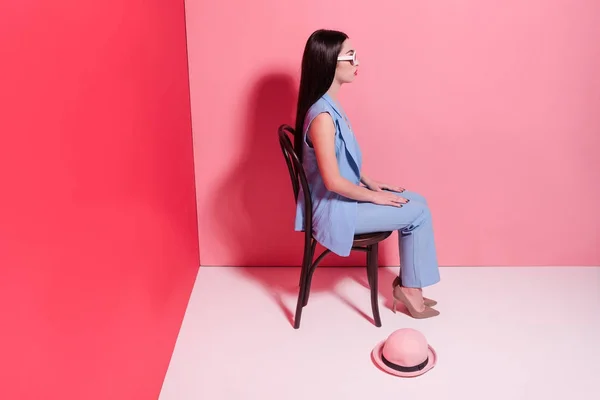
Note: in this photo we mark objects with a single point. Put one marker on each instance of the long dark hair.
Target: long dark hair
(318, 71)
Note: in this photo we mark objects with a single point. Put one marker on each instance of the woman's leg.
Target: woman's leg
(414, 196)
(414, 224)
(419, 266)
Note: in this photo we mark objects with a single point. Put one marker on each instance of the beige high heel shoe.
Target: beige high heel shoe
(428, 302)
(428, 312)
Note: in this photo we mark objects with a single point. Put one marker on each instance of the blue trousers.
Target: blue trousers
(418, 259)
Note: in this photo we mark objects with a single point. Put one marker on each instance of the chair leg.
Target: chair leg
(369, 274)
(304, 281)
(302, 275)
(309, 276)
(311, 272)
(301, 294)
(372, 275)
(305, 270)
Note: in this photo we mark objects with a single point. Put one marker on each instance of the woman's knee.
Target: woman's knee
(422, 213)
(414, 196)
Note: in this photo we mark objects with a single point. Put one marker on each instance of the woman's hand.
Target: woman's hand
(379, 186)
(388, 199)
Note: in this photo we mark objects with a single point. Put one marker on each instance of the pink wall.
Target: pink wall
(490, 109)
(98, 235)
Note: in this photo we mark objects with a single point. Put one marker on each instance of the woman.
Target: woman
(332, 160)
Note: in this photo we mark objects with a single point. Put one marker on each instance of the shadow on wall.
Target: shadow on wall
(254, 207)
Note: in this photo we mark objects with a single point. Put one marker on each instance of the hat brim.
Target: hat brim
(377, 352)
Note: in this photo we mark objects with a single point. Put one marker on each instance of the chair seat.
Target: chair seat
(367, 239)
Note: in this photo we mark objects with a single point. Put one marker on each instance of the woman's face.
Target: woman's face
(346, 70)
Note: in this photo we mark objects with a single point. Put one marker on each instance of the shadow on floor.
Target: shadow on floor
(283, 282)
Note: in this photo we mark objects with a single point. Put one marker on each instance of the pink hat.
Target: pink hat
(405, 353)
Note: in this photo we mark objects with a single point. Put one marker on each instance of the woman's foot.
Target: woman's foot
(426, 301)
(414, 302)
(414, 297)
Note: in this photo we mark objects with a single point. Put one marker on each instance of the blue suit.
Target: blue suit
(336, 219)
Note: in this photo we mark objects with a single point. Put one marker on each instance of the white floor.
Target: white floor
(503, 333)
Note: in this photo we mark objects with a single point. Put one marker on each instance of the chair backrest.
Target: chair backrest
(297, 174)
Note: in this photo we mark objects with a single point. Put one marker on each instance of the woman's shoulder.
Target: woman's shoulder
(320, 106)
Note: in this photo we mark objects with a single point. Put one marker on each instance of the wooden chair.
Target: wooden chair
(368, 243)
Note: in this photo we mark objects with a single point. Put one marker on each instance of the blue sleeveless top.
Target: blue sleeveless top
(334, 216)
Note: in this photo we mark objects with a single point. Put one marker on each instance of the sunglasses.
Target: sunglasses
(352, 58)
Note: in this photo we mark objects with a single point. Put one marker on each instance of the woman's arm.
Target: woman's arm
(322, 136)
(365, 179)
